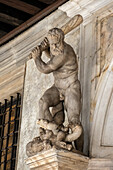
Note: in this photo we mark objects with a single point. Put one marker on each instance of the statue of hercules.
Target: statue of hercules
(65, 94)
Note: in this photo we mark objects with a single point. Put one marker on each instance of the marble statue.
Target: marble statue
(63, 96)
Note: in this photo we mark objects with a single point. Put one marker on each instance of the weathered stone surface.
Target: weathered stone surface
(57, 160)
(35, 85)
(101, 144)
(101, 136)
(100, 164)
(106, 42)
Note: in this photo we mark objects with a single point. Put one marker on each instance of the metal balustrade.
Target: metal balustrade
(9, 129)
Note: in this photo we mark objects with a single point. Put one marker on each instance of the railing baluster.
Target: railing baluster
(3, 126)
(8, 131)
(15, 121)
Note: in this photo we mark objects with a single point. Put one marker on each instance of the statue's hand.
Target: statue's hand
(36, 52)
(44, 44)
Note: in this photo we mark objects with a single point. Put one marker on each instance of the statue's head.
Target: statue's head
(55, 35)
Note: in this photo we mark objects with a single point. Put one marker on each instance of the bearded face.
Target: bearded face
(53, 39)
(56, 39)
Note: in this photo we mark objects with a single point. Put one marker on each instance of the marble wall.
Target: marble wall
(102, 117)
(35, 85)
(94, 49)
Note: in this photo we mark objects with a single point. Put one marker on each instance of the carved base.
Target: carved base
(54, 159)
(100, 164)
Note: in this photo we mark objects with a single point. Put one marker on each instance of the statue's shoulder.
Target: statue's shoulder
(68, 48)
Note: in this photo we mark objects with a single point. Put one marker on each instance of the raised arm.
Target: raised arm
(52, 65)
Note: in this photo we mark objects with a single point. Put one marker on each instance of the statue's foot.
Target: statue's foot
(42, 123)
(47, 145)
(76, 132)
(48, 125)
(69, 147)
(63, 145)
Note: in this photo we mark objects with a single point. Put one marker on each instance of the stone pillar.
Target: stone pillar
(54, 159)
(35, 85)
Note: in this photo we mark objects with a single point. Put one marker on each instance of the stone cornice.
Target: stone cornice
(86, 8)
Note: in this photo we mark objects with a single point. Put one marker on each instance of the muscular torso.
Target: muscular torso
(68, 72)
(63, 64)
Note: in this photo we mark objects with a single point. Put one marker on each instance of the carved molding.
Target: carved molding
(100, 164)
(86, 8)
(90, 66)
(102, 87)
(58, 160)
(100, 145)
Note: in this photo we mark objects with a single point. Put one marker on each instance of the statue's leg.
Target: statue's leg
(73, 108)
(58, 113)
(49, 99)
(73, 103)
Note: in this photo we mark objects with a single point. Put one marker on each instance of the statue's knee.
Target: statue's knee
(43, 104)
(40, 102)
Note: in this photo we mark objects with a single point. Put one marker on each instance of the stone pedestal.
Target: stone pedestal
(57, 160)
(100, 164)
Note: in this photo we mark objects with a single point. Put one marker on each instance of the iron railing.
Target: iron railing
(9, 128)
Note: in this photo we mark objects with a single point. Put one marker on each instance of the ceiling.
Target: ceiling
(18, 15)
